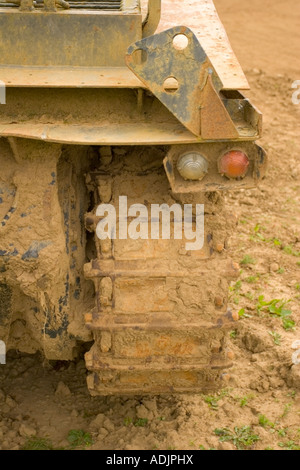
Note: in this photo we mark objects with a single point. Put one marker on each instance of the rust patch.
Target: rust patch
(215, 120)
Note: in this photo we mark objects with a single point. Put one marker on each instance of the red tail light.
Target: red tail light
(234, 164)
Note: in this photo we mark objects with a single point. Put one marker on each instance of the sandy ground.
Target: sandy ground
(264, 34)
(46, 405)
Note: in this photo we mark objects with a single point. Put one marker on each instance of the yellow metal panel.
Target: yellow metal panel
(202, 18)
(121, 134)
(69, 37)
(69, 77)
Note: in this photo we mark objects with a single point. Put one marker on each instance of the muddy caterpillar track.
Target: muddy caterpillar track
(161, 316)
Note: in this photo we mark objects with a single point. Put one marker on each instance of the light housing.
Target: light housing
(192, 166)
(234, 164)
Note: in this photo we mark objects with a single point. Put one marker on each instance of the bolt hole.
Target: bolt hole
(180, 42)
(139, 56)
(171, 85)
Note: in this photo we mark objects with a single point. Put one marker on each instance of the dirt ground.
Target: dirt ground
(46, 405)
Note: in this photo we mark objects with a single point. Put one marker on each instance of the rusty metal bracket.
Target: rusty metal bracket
(175, 73)
(216, 122)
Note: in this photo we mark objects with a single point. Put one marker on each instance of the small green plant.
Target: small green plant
(289, 445)
(265, 422)
(37, 443)
(281, 271)
(141, 422)
(79, 438)
(247, 260)
(244, 400)
(237, 286)
(249, 295)
(277, 307)
(243, 438)
(281, 432)
(233, 334)
(235, 289)
(288, 324)
(277, 242)
(287, 409)
(127, 421)
(242, 314)
(274, 306)
(257, 233)
(212, 400)
(289, 250)
(276, 337)
(252, 279)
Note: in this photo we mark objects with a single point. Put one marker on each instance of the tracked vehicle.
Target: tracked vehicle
(102, 100)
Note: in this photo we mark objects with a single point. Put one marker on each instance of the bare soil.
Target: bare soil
(262, 393)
